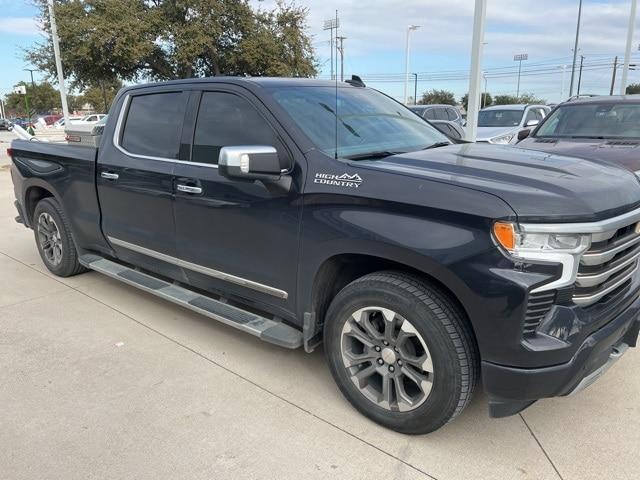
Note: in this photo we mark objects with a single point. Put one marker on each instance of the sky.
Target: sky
(375, 32)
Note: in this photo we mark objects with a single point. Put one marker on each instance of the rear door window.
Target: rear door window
(430, 114)
(154, 124)
(451, 114)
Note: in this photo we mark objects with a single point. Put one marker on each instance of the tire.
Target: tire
(53, 239)
(430, 357)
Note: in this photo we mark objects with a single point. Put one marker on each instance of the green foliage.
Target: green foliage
(112, 40)
(437, 97)
(486, 100)
(633, 89)
(525, 98)
(42, 99)
(100, 96)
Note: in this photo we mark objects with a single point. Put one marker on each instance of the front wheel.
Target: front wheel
(401, 351)
(54, 240)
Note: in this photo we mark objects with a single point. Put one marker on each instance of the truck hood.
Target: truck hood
(538, 186)
(623, 153)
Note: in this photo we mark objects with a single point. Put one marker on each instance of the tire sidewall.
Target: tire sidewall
(67, 264)
(447, 382)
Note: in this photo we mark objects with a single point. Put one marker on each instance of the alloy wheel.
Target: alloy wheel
(387, 359)
(49, 239)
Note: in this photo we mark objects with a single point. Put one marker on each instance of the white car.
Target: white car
(90, 119)
(60, 123)
(500, 124)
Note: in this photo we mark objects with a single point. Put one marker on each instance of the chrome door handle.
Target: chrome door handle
(188, 189)
(109, 175)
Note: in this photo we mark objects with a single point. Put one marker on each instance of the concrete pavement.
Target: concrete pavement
(99, 380)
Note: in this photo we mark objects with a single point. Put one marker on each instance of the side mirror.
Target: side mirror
(532, 123)
(522, 134)
(251, 162)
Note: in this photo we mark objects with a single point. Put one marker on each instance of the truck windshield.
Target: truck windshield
(368, 122)
(500, 118)
(593, 120)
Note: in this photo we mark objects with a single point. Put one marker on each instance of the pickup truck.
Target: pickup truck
(306, 212)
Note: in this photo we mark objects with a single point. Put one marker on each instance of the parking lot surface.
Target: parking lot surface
(99, 380)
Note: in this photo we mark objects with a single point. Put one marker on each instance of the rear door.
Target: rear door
(237, 237)
(135, 179)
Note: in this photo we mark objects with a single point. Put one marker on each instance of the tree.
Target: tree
(101, 96)
(513, 100)
(438, 96)
(111, 40)
(43, 98)
(485, 100)
(633, 89)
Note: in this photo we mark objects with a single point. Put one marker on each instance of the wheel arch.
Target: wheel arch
(32, 196)
(339, 270)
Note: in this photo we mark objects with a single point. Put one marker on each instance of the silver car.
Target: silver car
(501, 123)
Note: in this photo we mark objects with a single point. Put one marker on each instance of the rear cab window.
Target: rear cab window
(153, 124)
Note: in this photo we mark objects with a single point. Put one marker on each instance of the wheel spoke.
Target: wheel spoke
(352, 329)
(362, 376)
(404, 400)
(387, 391)
(423, 362)
(422, 381)
(353, 359)
(390, 322)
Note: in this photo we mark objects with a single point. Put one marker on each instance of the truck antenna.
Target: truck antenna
(336, 78)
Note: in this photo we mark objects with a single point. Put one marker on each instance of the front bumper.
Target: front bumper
(511, 389)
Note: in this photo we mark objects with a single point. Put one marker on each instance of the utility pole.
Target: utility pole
(580, 75)
(331, 25)
(613, 77)
(410, 28)
(341, 50)
(475, 77)
(575, 49)
(519, 59)
(484, 95)
(627, 52)
(31, 70)
(564, 68)
(56, 52)
(415, 88)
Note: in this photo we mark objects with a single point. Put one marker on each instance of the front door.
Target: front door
(135, 180)
(237, 237)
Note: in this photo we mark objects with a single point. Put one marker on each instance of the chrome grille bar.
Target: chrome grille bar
(592, 279)
(601, 256)
(584, 300)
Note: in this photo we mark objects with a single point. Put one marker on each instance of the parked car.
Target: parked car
(500, 124)
(50, 120)
(419, 263)
(452, 130)
(89, 119)
(596, 128)
(61, 122)
(439, 112)
(5, 124)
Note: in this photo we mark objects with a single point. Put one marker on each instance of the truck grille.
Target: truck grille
(538, 306)
(606, 269)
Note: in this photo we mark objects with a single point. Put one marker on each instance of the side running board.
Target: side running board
(271, 331)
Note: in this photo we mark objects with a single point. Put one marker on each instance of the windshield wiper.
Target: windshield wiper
(437, 145)
(365, 156)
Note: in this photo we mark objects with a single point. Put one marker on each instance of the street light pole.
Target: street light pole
(341, 50)
(484, 95)
(627, 52)
(564, 68)
(575, 50)
(519, 59)
(580, 75)
(475, 77)
(56, 52)
(406, 61)
(415, 88)
(31, 70)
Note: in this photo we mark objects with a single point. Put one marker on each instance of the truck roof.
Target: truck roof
(255, 81)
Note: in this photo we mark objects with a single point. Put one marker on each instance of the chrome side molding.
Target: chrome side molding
(259, 287)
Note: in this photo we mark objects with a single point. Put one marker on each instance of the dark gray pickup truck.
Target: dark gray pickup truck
(303, 212)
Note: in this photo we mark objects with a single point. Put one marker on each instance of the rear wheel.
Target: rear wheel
(401, 351)
(54, 241)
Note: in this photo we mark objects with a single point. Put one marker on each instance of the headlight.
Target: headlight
(503, 139)
(551, 247)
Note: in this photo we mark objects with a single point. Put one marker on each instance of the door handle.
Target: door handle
(109, 175)
(188, 188)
